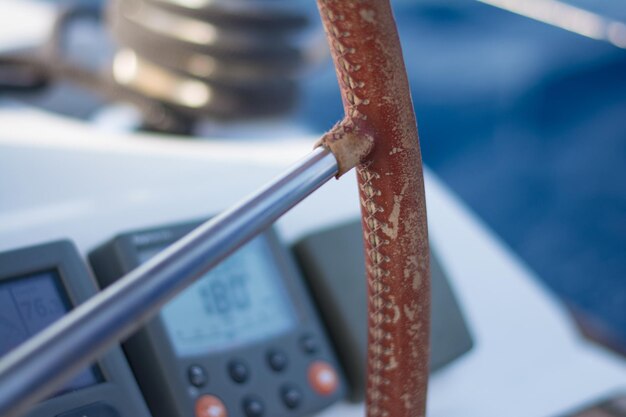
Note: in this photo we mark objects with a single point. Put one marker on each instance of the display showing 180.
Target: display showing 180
(225, 294)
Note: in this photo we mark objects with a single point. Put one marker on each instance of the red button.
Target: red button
(323, 378)
(210, 406)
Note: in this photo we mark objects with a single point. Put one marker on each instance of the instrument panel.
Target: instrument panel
(243, 340)
(38, 285)
(246, 339)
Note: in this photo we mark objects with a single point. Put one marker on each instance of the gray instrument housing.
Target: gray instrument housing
(163, 377)
(118, 389)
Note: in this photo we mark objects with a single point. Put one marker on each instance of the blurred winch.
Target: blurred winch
(221, 59)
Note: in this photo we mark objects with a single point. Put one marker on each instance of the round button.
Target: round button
(253, 407)
(309, 344)
(197, 376)
(277, 360)
(210, 406)
(238, 371)
(323, 378)
(292, 397)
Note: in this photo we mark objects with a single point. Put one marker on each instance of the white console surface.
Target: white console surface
(60, 179)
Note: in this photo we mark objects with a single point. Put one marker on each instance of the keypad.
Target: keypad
(323, 378)
(210, 406)
(253, 407)
(309, 344)
(277, 360)
(291, 396)
(238, 371)
(197, 376)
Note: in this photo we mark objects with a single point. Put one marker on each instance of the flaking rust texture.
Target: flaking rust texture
(379, 112)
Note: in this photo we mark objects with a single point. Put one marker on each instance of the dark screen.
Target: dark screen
(27, 306)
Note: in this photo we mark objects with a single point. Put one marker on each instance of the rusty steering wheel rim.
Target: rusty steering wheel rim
(379, 136)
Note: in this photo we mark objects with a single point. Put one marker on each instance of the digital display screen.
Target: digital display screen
(240, 301)
(27, 306)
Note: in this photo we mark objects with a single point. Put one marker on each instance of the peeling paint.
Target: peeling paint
(394, 217)
(392, 364)
(368, 15)
(396, 314)
(409, 312)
